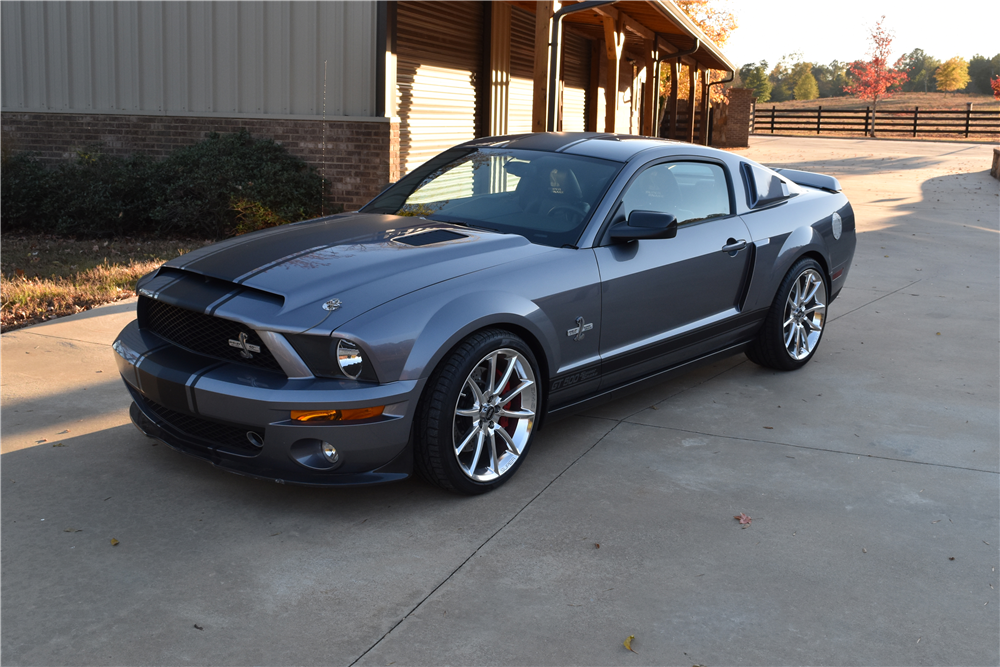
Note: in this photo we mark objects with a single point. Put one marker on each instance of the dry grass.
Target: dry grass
(928, 101)
(43, 277)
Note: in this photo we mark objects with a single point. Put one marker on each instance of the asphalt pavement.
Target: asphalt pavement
(872, 478)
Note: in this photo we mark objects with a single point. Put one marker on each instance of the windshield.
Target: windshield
(545, 197)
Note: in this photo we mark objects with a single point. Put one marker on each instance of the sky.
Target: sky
(838, 30)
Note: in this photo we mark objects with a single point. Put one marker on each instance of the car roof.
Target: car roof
(606, 146)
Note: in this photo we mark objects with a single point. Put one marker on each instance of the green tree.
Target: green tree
(754, 75)
(780, 77)
(952, 75)
(919, 68)
(981, 71)
(806, 88)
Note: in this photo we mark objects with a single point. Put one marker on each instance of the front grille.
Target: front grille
(203, 334)
(223, 437)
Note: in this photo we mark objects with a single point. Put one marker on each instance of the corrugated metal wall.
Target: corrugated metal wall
(576, 80)
(522, 71)
(189, 58)
(439, 65)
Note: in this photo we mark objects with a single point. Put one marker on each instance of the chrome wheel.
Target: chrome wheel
(494, 415)
(805, 313)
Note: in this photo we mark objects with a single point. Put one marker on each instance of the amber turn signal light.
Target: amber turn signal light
(336, 415)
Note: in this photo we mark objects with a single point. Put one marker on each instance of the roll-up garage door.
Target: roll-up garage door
(576, 79)
(522, 71)
(439, 52)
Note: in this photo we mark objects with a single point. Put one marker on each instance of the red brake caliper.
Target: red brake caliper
(504, 422)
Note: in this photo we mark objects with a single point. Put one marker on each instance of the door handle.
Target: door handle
(733, 246)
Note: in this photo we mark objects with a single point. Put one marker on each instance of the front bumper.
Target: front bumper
(238, 417)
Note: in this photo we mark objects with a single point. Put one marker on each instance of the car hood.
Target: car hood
(278, 279)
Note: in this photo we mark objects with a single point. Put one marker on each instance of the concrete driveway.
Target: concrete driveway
(871, 476)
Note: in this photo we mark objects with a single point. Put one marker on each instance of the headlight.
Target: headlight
(334, 357)
(350, 359)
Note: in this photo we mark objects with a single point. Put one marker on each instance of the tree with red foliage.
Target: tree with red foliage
(874, 79)
(995, 85)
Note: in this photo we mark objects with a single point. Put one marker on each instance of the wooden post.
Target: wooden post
(753, 116)
(706, 108)
(650, 89)
(657, 110)
(614, 43)
(968, 117)
(675, 73)
(593, 103)
(773, 109)
(867, 111)
(692, 110)
(915, 109)
(819, 118)
(540, 95)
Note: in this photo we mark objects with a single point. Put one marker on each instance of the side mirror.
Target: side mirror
(645, 225)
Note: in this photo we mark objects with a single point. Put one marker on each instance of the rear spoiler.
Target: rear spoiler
(810, 179)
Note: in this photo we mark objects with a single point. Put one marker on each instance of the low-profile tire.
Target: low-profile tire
(794, 325)
(478, 413)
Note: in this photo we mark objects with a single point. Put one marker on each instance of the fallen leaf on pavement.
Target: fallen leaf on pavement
(743, 519)
(628, 643)
(769, 428)
(61, 432)
(38, 442)
(198, 627)
(597, 545)
(951, 558)
(58, 444)
(73, 530)
(114, 542)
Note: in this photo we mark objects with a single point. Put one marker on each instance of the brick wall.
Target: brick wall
(359, 158)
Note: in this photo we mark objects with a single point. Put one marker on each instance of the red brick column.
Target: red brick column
(738, 121)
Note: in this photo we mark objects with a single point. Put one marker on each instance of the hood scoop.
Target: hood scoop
(429, 238)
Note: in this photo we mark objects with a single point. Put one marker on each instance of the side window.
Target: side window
(690, 191)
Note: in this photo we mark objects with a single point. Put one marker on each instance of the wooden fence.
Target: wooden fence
(863, 121)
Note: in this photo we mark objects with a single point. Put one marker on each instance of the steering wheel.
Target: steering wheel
(566, 213)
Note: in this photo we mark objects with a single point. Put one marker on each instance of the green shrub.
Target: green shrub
(223, 185)
(27, 190)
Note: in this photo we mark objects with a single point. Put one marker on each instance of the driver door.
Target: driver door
(665, 301)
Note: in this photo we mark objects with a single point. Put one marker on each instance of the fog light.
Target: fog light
(330, 452)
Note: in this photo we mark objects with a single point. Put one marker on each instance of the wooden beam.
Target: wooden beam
(665, 47)
(539, 100)
(624, 20)
(614, 42)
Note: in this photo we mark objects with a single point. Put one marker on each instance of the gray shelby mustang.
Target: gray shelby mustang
(504, 283)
